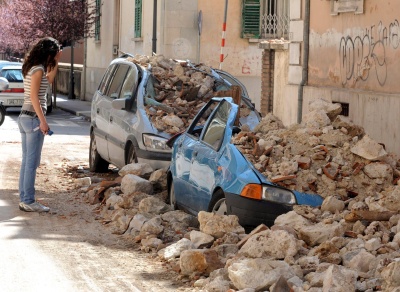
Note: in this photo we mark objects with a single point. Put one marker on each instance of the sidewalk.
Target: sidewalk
(73, 106)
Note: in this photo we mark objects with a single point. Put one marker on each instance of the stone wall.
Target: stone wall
(63, 80)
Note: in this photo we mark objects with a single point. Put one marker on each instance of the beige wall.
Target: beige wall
(100, 53)
(243, 59)
(354, 59)
(359, 51)
(289, 67)
(179, 29)
(285, 96)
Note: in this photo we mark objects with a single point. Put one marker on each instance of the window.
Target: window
(214, 134)
(129, 84)
(117, 81)
(97, 23)
(345, 108)
(12, 75)
(265, 19)
(138, 18)
(105, 80)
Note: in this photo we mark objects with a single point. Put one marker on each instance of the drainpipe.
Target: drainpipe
(154, 45)
(306, 38)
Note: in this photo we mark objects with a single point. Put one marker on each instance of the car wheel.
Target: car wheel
(218, 204)
(131, 156)
(2, 114)
(49, 107)
(96, 162)
(171, 196)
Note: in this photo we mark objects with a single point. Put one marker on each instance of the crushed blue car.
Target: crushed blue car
(209, 173)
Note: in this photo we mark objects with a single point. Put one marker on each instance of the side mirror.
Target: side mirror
(119, 104)
(3, 84)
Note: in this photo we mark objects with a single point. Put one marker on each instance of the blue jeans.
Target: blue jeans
(32, 144)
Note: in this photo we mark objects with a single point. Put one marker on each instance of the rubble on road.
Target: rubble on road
(177, 90)
(350, 243)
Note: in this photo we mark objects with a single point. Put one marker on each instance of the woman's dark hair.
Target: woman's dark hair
(42, 53)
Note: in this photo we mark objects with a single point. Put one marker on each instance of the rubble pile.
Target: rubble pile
(326, 154)
(177, 90)
(350, 243)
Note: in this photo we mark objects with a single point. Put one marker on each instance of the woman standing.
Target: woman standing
(39, 70)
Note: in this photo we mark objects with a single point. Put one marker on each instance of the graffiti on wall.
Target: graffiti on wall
(364, 56)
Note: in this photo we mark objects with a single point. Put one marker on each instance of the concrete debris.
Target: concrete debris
(350, 243)
(176, 91)
(200, 239)
(140, 169)
(317, 156)
(83, 182)
(218, 225)
(277, 244)
(153, 205)
(133, 184)
(200, 261)
(174, 250)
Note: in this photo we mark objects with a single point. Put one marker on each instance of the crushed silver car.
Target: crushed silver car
(141, 102)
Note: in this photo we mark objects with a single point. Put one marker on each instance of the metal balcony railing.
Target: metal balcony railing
(275, 20)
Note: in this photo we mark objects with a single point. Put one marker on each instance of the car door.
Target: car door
(185, 146)
(112, 93)
(122, 120)
(204, 167)
(101, 107)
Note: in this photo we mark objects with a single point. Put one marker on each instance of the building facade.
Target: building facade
(188, 29)
(354, 56)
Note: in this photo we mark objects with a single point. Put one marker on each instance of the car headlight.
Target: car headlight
(278, 195)
(155, 142)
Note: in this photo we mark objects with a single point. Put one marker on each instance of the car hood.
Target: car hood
(313, 200)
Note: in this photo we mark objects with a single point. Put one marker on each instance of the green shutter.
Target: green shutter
(251, 18)
(138, 18)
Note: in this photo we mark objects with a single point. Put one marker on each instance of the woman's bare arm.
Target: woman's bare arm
(36, 79)
(51, 72)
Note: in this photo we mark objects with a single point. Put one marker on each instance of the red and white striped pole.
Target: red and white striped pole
(221, 56)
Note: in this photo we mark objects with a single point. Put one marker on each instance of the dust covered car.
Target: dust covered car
(209, 173)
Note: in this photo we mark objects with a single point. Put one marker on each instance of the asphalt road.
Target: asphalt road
(67, 249)
(60, 122)
(25, 266)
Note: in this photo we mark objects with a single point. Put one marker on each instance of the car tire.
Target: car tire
(218, 204)
(49, 108)
(131, 155)
(171, 196)
(96, 162)
(2, 114)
